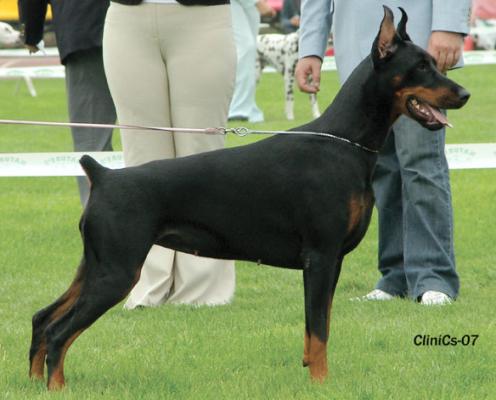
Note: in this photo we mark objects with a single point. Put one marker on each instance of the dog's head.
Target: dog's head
(420, 89)
(8, 35)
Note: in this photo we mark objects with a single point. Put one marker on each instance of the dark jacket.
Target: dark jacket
(290, 9)
(183, 2)
(78, 23)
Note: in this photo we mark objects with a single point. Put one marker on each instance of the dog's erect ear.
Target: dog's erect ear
(386, 41)
(401, 29)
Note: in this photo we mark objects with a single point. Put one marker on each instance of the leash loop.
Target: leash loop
(241, 131)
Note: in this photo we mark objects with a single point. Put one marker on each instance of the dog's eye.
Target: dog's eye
(423, 66)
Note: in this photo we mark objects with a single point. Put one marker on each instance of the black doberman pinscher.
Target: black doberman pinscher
(295, 201)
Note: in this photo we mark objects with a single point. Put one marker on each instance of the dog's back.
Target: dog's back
(277, 49)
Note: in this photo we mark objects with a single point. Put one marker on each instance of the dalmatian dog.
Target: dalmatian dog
(8, 35)
(484, 34)
(281, 52)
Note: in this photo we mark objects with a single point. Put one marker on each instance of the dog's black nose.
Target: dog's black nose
(463, 95)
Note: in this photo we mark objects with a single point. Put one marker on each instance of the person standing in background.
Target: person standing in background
(246, 22)
(411, 180)
(79, 32)
(172, 64)
(290, 16)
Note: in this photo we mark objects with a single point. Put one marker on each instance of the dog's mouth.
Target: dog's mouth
(427, 115)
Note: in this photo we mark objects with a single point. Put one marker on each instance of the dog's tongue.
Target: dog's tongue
(439, 116)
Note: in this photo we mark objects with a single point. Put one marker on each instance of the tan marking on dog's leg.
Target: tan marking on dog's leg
(306, 350)
(71, 296)
(318, 359)
(37, 368)
(56, 380)
(318, 352)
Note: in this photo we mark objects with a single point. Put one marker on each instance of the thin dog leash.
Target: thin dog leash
(239, 131)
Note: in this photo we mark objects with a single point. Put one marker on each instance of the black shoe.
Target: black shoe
(237, 118)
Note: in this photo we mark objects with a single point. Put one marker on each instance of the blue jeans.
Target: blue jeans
(413, 198)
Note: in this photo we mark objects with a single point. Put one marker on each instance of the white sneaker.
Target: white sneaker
(375, 295)
(433, 298)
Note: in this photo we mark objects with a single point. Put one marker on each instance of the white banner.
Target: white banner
(471, 156)
(54, 164)
(478, 57)
(50, 71)
(460, 156)
(19, 53)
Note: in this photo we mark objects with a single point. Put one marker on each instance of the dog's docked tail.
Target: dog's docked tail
(93, 169)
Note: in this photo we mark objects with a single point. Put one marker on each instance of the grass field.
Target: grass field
(252, 348)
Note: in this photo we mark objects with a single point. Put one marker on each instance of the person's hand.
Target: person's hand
(295, 21)
(308, 67)
(446, 48)
(264, 9)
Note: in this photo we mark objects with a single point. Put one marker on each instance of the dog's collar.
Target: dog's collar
(242, 131)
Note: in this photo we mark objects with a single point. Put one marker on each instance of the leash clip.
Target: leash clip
(241, 131)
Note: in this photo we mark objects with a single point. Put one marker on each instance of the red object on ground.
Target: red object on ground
(329, 52)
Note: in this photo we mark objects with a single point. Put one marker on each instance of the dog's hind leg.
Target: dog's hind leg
(320, 276)
(37, 351)
(113, 257)
(102, 288)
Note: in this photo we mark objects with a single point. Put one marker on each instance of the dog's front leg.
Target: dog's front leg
(288, 93)
(320, 276)
(315, 105)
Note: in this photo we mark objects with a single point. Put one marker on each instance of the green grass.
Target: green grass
(252, 348)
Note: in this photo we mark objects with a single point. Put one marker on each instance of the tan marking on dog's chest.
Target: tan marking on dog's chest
(357, 206)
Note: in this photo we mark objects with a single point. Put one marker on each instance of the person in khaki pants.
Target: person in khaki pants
(168, 64)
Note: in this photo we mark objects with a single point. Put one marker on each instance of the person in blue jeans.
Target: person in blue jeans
(411, 181)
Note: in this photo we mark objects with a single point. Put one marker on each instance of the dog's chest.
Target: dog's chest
(359, 212)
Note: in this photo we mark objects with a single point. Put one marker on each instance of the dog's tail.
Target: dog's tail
(93, 169)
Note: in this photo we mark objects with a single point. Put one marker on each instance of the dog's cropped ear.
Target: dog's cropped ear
(401, 28)
(386, 41)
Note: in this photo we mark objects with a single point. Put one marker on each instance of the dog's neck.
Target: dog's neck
(361, 111)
